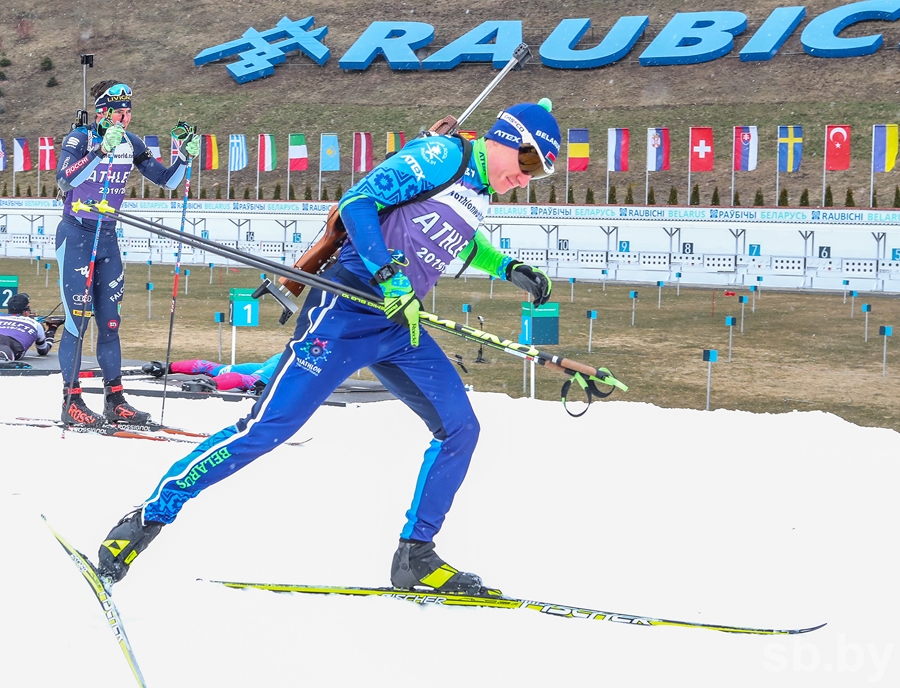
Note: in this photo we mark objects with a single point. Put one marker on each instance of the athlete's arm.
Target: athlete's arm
(152, 169)
(420, 166)
(79, 156)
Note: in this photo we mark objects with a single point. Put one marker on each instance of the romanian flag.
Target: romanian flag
(468, 134)
(395, 141)
(579, 150)
(209, 152)
(884, 147)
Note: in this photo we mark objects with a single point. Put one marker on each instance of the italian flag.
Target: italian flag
(268, 160)
(298, 157)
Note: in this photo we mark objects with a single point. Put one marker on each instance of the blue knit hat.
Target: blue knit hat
(529, 124)
(116, 96)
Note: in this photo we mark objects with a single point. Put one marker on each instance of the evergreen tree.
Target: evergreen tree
(532, 195)
(133, 193)
(829, 197)
(715, 197)
(611, 198)
(495, 198)
(203, 192)
(589, 197)
(673, 196)
(736, 200)
(44, 191)
(570, 196)
(514, 197)
(629, 196)
(896, 197)
(552, 198)
(651, 196)
(218, 191)
(804, 198)
(849, 202)
(162, 194)
(758, 198)
(5, 192)
(276, 196)
(695, 195)
(783, 197)
(874, 197)
(262, 193)
(324, 193)
(247, 192)
(291, 195)
(18, 191)
(231, 192)
(307, 194)
(339, 193)
(28, 191)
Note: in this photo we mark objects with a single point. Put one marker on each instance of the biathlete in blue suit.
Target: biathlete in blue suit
(82, 173)
(406, 221)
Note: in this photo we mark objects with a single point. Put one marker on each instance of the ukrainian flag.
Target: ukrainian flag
(884, 147)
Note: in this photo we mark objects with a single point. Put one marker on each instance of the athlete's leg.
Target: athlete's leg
(108, 288)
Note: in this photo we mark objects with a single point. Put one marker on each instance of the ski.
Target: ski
(104, 597)
(494, 599)
(129, 430)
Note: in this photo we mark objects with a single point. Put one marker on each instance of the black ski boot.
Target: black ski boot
(117, 410)
(155, 368)
(76, 412)
(130, 537)
(416, 563)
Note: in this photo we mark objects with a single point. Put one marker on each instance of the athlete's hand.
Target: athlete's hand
(191, 145)
(112, 138)
(401, 305)
(532, 280)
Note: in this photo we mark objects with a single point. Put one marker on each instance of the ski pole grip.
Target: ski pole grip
(568, 366)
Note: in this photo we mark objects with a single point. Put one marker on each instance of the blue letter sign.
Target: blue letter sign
(820, 37)
(693, 37)
(559, 48)
(397, 41)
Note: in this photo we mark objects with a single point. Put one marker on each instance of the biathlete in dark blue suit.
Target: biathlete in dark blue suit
(84, 165)
(406, 221)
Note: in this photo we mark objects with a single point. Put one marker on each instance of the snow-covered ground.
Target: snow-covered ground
(721, 517)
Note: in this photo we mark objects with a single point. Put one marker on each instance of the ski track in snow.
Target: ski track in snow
(723, 517)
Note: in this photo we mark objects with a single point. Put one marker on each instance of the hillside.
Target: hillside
(152, 45)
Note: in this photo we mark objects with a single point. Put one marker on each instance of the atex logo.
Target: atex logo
(801, 656)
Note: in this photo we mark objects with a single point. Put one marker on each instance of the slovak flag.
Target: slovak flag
(702, 155)
(657, 149)
(362, 151)
(21, 155)
(46, 153)
(2, 155)
(746, 147)
(837, 147)
(152, 143)
(617, 150)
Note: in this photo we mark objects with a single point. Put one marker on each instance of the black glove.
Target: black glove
(530, 279)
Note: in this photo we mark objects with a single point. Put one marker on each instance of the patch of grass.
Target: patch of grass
(799, 350)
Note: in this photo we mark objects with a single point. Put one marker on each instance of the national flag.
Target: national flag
(746, 148)
(468, 134)
(837, 147)
(702, 154)
(46, 153)
(578, 150)
(790, 147)
(362, 151)
(21, 156)
(395, 141)
(209, 152)
(176, 144)
(330, 159)
(884, 147)
(298, 157)
(268, 158)
(238, 156)
(152, 143)
(657, 149)
(2, 156)
(618, 141)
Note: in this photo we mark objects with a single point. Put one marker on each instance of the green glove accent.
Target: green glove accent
(112, 138)
(401, 305)
(192, 145)
(530, 279)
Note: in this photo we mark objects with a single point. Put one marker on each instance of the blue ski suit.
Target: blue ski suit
(336, 336)
(81, 174)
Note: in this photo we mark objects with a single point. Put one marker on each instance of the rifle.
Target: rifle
(323, 252)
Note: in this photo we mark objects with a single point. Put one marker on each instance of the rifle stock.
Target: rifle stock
(320, 253)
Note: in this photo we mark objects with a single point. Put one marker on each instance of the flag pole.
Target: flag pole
(824, 165)
(287, 189)
(353, 161)
(607, 182)
(646, 187)
(228, 176)
(567, 180)
(690, 135)
(258, 161)
(871, 174)
(321, 139)
(733, 135)
(777, 162)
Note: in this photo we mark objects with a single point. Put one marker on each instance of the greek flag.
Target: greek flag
(238, 157)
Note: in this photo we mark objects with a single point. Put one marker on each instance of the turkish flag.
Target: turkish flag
(837, 147)
(701, 149)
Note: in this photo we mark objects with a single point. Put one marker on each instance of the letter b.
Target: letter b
(692, 37)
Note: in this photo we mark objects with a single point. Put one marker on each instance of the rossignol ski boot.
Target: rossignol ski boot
(76, 412)
(117, 410)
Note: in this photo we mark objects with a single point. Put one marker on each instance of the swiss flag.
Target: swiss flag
(837, 147)
(46, 153)
(702, 155)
